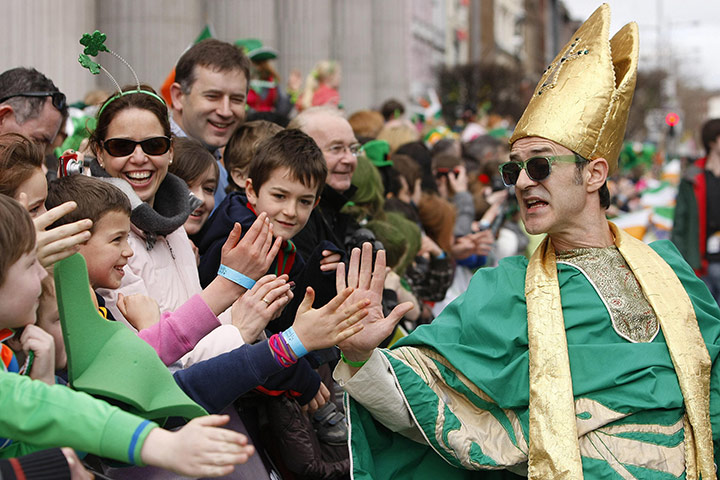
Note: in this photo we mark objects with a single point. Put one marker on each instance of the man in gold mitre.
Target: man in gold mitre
(593, 359)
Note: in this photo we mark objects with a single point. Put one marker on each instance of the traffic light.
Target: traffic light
(672, 119)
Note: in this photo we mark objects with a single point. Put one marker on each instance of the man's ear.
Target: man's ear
(596, 173)
(7, 114)
(177, 96)
(317, 201)
(250, 192)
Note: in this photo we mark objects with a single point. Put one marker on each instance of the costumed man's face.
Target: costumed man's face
(214, 107)
(557, 203)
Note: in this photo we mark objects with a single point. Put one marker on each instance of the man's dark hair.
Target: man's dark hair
(710, 133)
(291, 149)
(391, 109)
(212, 54)
(24, 80)
(94, 198)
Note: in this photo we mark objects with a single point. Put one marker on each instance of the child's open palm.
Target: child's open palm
(331, 324)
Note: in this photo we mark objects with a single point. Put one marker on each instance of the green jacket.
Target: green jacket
(38, 416)
(628, 401)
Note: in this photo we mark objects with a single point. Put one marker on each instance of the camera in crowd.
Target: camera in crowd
(70, 165)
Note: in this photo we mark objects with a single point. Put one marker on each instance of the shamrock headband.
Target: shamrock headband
(94, 44)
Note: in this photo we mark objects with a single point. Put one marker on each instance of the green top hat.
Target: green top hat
(255, 50)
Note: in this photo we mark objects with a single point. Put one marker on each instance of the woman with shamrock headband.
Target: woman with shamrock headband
(133, 143)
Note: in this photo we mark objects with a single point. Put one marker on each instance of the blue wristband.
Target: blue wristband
(294, 342)
(235, 276)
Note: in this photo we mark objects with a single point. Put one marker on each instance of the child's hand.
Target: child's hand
(330, 324)
(252, 254)
(321, 398)
(255, 308)
(139, 310)
(43, 347)
(60, 242)
(199, 449)
(77, 470)
(329, 261)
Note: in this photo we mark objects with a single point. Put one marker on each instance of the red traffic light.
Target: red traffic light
(672, 119)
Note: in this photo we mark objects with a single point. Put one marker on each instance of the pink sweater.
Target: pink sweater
(177, 332)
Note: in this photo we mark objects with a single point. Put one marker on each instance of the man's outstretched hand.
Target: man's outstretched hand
(368, 284)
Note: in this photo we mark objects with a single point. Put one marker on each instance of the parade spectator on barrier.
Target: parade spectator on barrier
(334, 135)
(209, 97)
(197, 167)
(31, 104)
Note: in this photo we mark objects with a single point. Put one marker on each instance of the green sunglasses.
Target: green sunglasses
(537, 168)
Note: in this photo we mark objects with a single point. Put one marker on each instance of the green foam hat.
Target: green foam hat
(107, 359)
(255, 50)
(378, 151)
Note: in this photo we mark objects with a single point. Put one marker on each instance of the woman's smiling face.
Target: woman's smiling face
(143, 172)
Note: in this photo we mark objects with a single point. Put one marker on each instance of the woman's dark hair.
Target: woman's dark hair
(117, 103)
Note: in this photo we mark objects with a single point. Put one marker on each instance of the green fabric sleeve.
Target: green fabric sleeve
(36, 416)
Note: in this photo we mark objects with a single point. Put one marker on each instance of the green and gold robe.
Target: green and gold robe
(465, 381)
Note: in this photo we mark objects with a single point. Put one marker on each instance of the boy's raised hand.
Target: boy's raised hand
(60, 242)
(252, 254)
(199, 449)
(257, 307)
(330, 324)
(367, 283)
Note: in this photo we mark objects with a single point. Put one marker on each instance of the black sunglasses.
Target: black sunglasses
(537, 168)
(122, 147)
(58, 98)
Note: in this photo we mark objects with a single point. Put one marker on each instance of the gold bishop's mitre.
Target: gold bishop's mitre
(583, 98)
